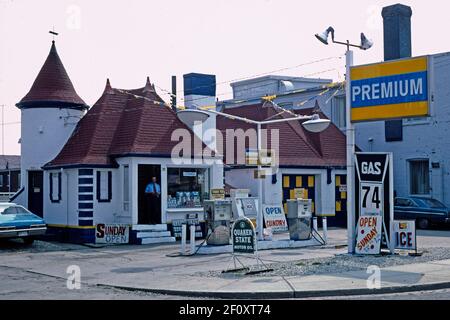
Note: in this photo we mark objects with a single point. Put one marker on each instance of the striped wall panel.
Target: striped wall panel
(85, 197)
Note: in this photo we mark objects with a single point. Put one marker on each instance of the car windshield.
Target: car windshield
(13, 210)
(432, 203)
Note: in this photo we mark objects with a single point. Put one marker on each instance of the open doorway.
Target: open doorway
(35, 192)
(149, 205)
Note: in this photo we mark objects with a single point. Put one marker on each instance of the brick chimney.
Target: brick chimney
(397, 45)
(397, 31)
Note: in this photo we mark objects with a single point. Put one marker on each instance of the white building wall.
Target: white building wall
(44, 132)
(194, 101)
(423, 138)
(109, 212)
(273, 193)
(64, 212)
(242, 179)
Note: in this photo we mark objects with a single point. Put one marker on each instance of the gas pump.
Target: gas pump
(299, 219)
(218, 214)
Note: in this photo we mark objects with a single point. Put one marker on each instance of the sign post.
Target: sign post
(374, 196)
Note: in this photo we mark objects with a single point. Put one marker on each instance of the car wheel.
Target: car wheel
(423, 224)
(28, 241)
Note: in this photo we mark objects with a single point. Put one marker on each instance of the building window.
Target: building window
(338, 115)
(104, 186)
(186, 187)
(419, 172)
(393, 130)
(55, 186)
(126, 188)
(1, 180)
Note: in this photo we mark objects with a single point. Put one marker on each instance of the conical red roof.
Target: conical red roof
(52, 87)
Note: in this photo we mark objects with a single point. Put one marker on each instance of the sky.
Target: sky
(126, 41)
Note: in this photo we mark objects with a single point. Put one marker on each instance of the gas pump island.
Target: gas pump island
(221, 214)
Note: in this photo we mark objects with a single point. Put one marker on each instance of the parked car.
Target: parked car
(18, 222)
(424, 211)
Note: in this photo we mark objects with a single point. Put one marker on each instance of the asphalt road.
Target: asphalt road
(18, 283)
(421, 295)
(23, 285)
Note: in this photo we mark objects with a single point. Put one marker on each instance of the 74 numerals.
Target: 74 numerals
(253, 309)
(375, 197)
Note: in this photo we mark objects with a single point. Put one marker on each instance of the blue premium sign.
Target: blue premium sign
(390, 90)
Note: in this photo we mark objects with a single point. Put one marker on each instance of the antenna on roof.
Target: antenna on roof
(54, 33)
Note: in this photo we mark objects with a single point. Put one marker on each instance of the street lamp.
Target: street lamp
(350, 130)
(323, 37)
(313, 124)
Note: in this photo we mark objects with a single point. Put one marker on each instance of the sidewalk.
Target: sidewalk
(414, 277)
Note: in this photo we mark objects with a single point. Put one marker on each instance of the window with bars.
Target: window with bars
(419, 172)
(104, 186)
(55, 187)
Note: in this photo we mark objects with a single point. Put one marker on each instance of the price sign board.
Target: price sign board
(217, 194)
(371, 199)
(374, 194)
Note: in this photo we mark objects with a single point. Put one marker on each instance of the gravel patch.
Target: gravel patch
(337, 264)
(18, 246)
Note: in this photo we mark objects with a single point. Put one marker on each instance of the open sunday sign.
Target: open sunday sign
(390, 90)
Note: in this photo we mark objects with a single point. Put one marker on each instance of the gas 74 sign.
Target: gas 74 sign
(374, 194)
(371, 199)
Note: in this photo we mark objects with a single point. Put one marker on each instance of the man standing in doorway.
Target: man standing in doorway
(153, 191)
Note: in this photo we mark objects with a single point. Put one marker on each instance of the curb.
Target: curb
(288, 294)
(209, 294)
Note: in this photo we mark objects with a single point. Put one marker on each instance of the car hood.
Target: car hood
(19, 220)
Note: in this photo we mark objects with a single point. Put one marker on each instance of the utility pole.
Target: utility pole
(174, 94)
(350, 130)
(3, 129)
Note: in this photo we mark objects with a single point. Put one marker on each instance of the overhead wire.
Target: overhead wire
(219, 94)
(256, 75)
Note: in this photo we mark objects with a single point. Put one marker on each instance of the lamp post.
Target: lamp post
(350, 130)
(313, 124)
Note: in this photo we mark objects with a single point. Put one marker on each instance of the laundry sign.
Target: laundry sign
(112, 233)
(368, 239)
(275, 218)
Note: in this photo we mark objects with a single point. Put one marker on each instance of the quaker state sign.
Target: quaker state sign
(243, 235)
